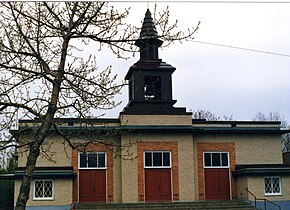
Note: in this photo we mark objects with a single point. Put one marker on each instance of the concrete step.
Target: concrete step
(196, 205)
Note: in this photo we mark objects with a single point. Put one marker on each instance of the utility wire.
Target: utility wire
(218, 2)
(242, 48)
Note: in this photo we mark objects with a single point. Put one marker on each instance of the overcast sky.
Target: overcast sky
(214, 73)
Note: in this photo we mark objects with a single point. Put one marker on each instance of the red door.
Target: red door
(217, 185)
(158, 185)
(92, 185)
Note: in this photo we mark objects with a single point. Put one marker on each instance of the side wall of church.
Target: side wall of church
(250, 148)
(54, 152)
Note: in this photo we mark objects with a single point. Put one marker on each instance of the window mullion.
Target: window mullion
(43, 189)
(271, 184)
(87, 157)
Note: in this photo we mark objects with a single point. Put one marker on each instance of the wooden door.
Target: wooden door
(92, 186)
(217, 185)
(158, 185)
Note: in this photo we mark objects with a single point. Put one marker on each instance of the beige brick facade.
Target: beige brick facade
(129, 172)
(125, 172)
(54, 152)
(250, 148)
(255, 184)
(242, 184)
(187, 172)
(62, 195)
(117, 177)
(155, 120)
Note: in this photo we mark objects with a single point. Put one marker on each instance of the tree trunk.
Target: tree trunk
(23, 195)
(40, 135)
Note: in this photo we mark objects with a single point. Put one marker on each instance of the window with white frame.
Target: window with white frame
(43, 190)
(92, 160)
(157, 159)
(272, 185)
(216, 159)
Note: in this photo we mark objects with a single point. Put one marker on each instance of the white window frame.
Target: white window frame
(220, 152)
(159, 151)
(280, 186)
(89, 168)
(43, 198)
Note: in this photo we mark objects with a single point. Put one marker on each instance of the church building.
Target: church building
(155, 151)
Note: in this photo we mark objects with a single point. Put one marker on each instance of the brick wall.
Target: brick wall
(95, 148)
(215, 147)
(251, 148)
(53, 147)
(157, 146)
(156, 120)
(61, 196)
(187, 170)
(256, 185)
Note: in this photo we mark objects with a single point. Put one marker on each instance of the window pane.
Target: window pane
(38, 189)
(43, 189)
(276, 184)
(272, 185)
(47, 189)
(268, 187)
(216, 159)
(92, 160)
(101, 160)
(207, 159)
(83, 160)
(148, 158)
(166, 159)
(157, 159)
(225, 159)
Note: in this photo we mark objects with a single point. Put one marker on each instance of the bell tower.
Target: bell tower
(150, 82)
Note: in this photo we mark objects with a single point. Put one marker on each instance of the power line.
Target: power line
(242, 48)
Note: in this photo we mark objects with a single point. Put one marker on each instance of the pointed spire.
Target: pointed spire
(148, 41)
(148, 28)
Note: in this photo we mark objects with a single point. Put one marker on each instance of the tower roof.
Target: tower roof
(148, 29)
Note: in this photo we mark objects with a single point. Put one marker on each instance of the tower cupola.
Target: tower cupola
(150, 83)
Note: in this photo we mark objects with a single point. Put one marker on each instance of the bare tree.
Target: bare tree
(42, 77)
(271, 116)
(276, 116)
(208, 115)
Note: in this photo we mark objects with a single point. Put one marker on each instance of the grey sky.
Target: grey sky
(224, 80)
